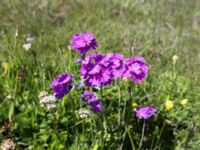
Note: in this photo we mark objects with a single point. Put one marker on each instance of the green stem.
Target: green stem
(62, 59)
(152, 142)
(16, 86)
(128, 111)
(129, 135)
(160, 134)
(142, 138)
(101, 98)
(15, 38)
(123, 139)
(74, 112)
(119, 102)
(55, 123)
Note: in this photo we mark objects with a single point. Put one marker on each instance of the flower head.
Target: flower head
(47, 100)
(134, 104)
(93, 71)
(42, 94)
(8, 144)
(93, 101)
(169, 105)
(145, 112)
(174, 59)
(84, 113)
(29, 38)
(26, 46)
(62, 85)
(98, 107)
(184, 102)
(83, 42)
(88, 95)
(51, 106)
(136, 69)
(114, 63)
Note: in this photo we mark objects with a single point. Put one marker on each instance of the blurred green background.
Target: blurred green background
(156, 29)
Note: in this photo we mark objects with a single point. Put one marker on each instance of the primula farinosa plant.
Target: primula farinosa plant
(114, 63)
(100, 101)
(92, 100)
(93, 73)
(145, 112)
(83, 42)
(62, 85)
(99, 70)
(100, 73)
(135, 69)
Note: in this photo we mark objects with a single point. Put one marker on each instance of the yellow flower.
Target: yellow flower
(168, 105)
(134, 104)
(174, 59)
(184, 102)
(5, 67)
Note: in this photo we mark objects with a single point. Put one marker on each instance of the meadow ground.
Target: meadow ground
(154, 29)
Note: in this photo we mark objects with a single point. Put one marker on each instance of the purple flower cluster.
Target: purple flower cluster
(93, 101)
(145, 112)
(136, 69)
(114, 63)
(83, 42)
(99, 70)
(93, 72)
(62, 85)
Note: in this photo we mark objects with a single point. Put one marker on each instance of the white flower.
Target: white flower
(42, 94)
(84, 113)
(51, 106)
(184, 102)
(44, 101)
(29, 38)
(8, 144)
(27, 46)
(47, 100)
(51, 98)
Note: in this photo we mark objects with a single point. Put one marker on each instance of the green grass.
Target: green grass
(155, 29)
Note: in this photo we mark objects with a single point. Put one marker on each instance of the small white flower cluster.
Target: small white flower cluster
(8, 144)
(27, 45)
(84, 113)
(47, 100)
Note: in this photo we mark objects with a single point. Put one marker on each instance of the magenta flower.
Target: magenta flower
(145, 112)
(97, 107)
(88, 95)
(93, 101)
(115, 64)
(83, 42)
(94, 73)
(135, 69)
(62, 85)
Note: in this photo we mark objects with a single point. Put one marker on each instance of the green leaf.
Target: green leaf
(11, 111)
(96, 146)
